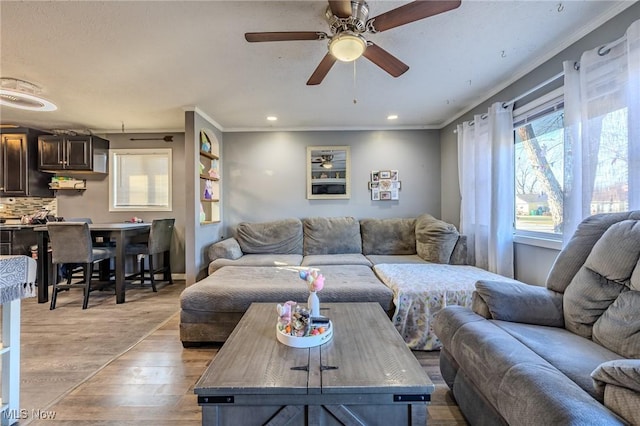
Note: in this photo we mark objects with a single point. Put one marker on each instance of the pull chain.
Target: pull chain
(355, 100)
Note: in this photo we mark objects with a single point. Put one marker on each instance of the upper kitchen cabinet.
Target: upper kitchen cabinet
(19, 174)
(82, 153)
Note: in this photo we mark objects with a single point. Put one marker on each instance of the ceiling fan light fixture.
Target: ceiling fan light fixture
(347, 46)
(23, 95)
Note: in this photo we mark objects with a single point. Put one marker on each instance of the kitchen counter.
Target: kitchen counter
(17, 239)
(16, 226)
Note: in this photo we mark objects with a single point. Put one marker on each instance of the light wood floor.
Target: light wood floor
(152, 384)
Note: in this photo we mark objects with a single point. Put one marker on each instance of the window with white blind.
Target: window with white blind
(140, 179)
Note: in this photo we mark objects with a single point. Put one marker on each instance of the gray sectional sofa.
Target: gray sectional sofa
(339, 241)
(261, 262)
(567, 354)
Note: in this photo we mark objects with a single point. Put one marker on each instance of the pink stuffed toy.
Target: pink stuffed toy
(284, 312)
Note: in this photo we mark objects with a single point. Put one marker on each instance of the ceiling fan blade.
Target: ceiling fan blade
(285, 36)
(410, 12)
(322, 70)
(385, 60)
(340, 8)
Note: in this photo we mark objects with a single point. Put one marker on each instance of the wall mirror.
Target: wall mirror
(328, 169)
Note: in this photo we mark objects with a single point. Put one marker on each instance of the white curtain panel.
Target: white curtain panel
(602, 128)
(485, 167)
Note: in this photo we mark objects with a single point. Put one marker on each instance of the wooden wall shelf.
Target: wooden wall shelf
(209, 155)
(207, 177)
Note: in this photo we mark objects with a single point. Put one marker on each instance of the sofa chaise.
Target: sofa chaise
(411, 266)
(564, 354)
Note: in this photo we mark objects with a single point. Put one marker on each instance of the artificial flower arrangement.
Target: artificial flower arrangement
(297, 321)
(314, 279)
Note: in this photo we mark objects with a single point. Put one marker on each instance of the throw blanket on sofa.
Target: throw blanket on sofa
(420, 291)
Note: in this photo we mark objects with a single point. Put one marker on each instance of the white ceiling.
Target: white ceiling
(139, 64)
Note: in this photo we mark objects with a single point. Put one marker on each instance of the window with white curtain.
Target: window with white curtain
(140, 179)
(574, 161)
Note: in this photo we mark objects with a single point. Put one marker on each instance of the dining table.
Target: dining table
(118, 233)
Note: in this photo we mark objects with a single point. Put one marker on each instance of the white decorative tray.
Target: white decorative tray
(307, 341)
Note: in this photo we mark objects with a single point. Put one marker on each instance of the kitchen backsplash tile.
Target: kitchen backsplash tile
(20, 206)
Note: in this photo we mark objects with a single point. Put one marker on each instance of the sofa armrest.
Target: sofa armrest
(459, 255)
(624, 373)
(225, 249)
(518, 302)
(619, 381)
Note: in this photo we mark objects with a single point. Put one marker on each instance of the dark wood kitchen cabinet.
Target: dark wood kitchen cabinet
(17, 240)
(19, 174)
(83, 153)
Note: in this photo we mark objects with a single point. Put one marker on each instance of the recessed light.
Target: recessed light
(23, 95)
(392, 117)
(272, 118)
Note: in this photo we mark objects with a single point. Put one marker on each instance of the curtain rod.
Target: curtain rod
(533, 89)
(602, 51)
(607, 47)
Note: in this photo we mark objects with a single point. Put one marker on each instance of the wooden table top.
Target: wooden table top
(370, 355)
(117, 226)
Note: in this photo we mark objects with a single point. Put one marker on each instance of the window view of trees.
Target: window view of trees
(541, 175)
(539, 167)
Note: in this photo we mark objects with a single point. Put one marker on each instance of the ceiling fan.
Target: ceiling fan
(325, 161)
(348, 21)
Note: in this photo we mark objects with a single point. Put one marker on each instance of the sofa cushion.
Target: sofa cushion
(331, 235)
(277, 237)
(388, 236)
(575, 356)
(574, 254)
(619, 327)
(335, 259)
(378, 259)
(233, 289)
(606, 274)
(257, 260)
(435, 239)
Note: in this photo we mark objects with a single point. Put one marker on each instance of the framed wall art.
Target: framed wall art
(384, 185)
(328, 172)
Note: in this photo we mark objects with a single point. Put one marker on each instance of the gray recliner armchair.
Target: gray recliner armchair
(567, 353)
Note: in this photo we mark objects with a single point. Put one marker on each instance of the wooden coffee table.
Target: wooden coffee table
(364, 375)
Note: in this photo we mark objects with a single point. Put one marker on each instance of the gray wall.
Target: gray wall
(265, 174)
(197, 237)
(94, 202)
(532, 263)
